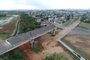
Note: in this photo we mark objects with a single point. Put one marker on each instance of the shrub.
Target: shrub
(56, 57)
(37, 48)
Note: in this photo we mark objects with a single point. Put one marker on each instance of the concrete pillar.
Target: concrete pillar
(39, 41)
(35, 42)
(32, 42)
(54, 31)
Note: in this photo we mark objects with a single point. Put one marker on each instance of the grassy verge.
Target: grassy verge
(4, 36)
(55, 56)
(84, 25)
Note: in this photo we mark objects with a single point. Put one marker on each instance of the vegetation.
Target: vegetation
(7, 32)
(4, 36)
(56, 57)
(27, 23)
(68, 17)
(85, 21)
(84, 25)
(2, 15)
(12, 55)
(85, 18)
(37, 48)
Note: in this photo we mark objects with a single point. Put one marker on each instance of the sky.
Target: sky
(44, 4)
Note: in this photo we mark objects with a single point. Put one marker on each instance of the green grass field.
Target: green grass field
(4, 36)
(84, 25)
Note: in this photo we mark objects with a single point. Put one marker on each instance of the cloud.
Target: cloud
(15, 4)
(44, 4)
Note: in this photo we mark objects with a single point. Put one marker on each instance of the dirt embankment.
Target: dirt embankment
(50, 46)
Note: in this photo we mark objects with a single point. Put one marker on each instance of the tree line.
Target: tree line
(27, 23)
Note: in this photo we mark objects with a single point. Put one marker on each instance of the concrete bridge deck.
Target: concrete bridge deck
(16, 41)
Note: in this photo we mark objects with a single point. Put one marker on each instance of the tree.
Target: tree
(83, 17)
(16, 55)
(2, 15)
(27, 23)
(68, 17)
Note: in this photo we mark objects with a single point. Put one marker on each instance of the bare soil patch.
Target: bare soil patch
(81, 42)
(7, 30)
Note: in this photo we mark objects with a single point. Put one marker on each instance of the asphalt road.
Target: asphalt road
(66, 30)
(80, 31)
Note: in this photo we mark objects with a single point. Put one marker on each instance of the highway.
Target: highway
(66, 30)
(80, 31)
(63, 33)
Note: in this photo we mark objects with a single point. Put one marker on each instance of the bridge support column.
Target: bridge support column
(32, 42)
(54, 31)
(36, 42)
(39, 41)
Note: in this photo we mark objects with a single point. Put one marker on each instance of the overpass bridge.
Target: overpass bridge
(18, 40)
